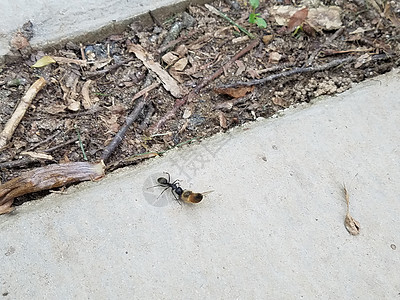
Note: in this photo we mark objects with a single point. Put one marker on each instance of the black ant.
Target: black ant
(174, 186)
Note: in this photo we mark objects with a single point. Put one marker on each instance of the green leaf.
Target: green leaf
(261, 23)
(44, 61)
(254, 3)
(252, 18)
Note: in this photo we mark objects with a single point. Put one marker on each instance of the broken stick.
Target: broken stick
(12, 123)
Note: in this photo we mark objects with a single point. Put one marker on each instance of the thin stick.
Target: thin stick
(65, 60)
(332, 64)
(108, 69)
(217, 12)
(206, 81)
(61, 145)
(177, 41)
(145, 90)
(80, 142)
(121, 133)
(18, 163)
(12, 123)
(326, 43)
(44, 141)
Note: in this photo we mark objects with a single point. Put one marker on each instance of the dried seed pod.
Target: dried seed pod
(352, 225)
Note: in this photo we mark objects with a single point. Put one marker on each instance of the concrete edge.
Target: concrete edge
(161, 14)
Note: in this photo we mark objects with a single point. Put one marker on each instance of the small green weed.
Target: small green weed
(254, 17)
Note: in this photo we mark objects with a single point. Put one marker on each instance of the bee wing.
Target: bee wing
(206, 193)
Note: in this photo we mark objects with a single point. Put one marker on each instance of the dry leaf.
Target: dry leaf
(187, 113)
(44, 61)
(362, 60)
(74, 105)
(181, 64)
(169, 58)
(297, 19)
(181, 50)
(223, 32)
(253, 73)
(389, 14)
(267, 39)
(280, 102)
(240, 39)
(226, 105)
(19, 41)
(235, 92)
(324, 17)
(222, 120)
(54, 109)
(241, 67)
(274, 57)
(87, 102)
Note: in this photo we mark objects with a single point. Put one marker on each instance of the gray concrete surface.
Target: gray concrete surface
(272, 228)
(54, 21)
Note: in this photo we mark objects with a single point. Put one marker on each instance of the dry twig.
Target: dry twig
(106, 70)
(330, 65)
(121, 133)
(12, 123)
(177, 41)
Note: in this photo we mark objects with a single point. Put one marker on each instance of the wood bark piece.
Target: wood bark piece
(168, 82)
(45, 178)
(12, 123)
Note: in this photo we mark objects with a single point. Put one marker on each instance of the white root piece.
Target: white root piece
(12, 123)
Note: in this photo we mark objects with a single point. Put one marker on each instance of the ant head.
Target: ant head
(162, 180)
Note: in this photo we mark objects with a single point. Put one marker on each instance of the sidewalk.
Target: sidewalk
(272, 228)
(54, 21)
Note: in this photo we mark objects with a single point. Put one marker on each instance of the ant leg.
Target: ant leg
(150, 187)
(162, 192)
(177, 199)
(169, 176)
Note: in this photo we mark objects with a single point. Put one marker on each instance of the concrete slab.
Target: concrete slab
(272, 228)
(55, 21)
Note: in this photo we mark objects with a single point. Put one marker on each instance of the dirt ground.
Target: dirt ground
(89, 95)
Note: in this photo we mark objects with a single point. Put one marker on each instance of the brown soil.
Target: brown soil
(52, 122)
